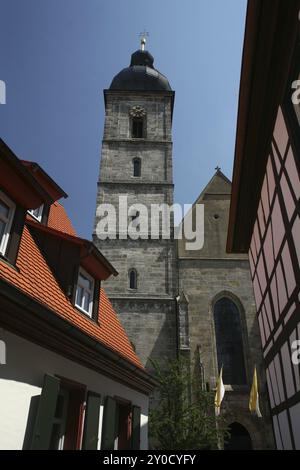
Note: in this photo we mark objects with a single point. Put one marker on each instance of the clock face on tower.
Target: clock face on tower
(137, 112)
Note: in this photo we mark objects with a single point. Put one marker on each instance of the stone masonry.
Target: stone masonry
(147, 313)
(170, 310)
(207, 275)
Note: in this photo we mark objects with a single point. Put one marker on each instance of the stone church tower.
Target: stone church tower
(136, 163)
(169, 299)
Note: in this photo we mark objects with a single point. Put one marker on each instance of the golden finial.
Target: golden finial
(143, 37)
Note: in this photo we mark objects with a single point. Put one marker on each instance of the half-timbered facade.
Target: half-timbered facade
(265, 207)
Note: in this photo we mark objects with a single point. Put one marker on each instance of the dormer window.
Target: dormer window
(7, 210)
(37, 213)
(85, 292)
(137, 130)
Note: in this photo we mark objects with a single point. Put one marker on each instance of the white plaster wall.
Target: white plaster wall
(22, 378)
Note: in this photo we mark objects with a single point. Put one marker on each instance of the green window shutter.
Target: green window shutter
(109, 424)
(45, 414)
(91, 422)
(136, 428)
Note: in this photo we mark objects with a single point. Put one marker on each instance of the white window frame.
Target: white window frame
(90, 278)
(12, 207)
(40, 213)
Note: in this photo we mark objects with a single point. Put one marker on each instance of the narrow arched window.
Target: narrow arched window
(136, 167)
(229, 341)
(137, 129)
(132, 279)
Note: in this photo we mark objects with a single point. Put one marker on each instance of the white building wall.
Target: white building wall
(21, 378)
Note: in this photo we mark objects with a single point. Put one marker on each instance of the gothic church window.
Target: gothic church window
(229, 341)
(137, 167)
(132, 279)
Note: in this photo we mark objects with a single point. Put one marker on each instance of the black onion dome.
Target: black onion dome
(140, 75)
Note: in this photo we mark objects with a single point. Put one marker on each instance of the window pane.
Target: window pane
(37, 213)
(2, 229)
(4, 211)
(137, 128)
(85, 282)
(229, 342)
(136, 167)
(132, 280)
(84, 291)
(79, 296)
(86, 301)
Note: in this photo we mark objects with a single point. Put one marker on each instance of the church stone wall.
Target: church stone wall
(155, 158)
(207, 275)
(203, 281)
(150, 325)
(158, 109)
(153, 261)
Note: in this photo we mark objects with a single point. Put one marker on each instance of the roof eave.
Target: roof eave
(89, 248)
(31, 318)
(41, 196)
(36, 167)
(270, 35)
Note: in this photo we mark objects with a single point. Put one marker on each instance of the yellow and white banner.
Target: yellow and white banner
(220, 392)
(254, 396)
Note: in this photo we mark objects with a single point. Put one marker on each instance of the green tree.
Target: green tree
(183, 417)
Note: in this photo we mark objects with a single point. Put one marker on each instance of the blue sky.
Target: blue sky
(57, 56)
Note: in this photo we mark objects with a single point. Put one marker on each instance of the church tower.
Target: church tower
(172, 299)
(136, 167)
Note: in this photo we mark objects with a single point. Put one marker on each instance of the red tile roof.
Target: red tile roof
(35, 278)
(59, 220)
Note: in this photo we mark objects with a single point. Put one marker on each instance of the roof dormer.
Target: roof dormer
(24, 186)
